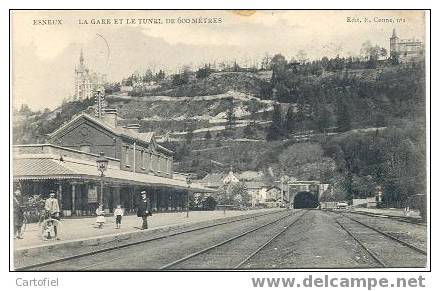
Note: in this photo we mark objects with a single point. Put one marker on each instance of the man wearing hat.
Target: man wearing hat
(142, 210)
(18, 214)
(52, 208)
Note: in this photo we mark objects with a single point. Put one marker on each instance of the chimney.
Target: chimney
(110, 116)
(134, 127)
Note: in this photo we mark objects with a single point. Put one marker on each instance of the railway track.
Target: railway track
(251, 255)
(65, 259)
(385, 249)
(211, 253)
(410, 220)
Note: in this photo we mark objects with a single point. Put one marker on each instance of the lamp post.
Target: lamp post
(225, 197)
(282, 185)
(188, 182)
(102, 164)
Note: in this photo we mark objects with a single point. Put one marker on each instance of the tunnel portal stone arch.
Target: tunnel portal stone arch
(296, 188)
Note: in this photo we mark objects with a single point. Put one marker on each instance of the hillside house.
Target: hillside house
(260, 190)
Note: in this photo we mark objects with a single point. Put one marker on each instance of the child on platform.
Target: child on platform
(100, 219)
(118, 215)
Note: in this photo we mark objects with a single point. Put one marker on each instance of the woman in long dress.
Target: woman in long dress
(100, 219)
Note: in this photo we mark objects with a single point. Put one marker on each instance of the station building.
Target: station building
(68, 164)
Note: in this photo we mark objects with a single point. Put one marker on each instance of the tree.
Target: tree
(371, 53)
(148, 76)
(389, 159)
(189, 132)
(159, 76)
(179, 79)
(383, 52)
(279, 69)
(265, 62)
(349, 193)
(366, 50)
(182, 78)
(363, 186)
(194, 200)
(324, 63)
(222, 66)
(209, 203)
(235, 67)
(181, 152)
(253, 107)
(281, 92)
(290, 119)
(278, 62)
(276, 129)
(343, 115)
(230, 116)
(208, 135)
(112, 87)
(204, 72)
(237, 194)
(301, 56)
(394, 58)
(301, 114)
(249, 131)
(322, 118)
(127, 82)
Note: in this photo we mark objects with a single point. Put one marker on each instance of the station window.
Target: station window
(127, 162)
(153, 164)
(168, 166)
(159, 164)
(142, 159)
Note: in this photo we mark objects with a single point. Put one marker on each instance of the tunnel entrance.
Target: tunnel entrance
(305, 199)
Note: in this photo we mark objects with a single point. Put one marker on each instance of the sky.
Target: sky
(44, 56)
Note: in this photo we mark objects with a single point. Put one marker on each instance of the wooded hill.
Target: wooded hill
(276, 106)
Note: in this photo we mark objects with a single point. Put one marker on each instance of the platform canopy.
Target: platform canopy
(51, 167)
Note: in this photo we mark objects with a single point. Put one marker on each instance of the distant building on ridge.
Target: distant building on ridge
(86, 81)
(406, 50)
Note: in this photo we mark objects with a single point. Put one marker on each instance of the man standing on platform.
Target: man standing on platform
(18, 214)
(53, 210)
(143, 209)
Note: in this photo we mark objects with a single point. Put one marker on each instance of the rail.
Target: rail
(108, 249)
(229, 240)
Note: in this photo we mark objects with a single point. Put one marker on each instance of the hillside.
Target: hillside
(348, 127)
(384, 96)
(172, 114)
(218, 83)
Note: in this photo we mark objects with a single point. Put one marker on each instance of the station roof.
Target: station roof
(50, 167)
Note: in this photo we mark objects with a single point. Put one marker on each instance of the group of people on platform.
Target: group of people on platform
(52, 212)
(142, 211)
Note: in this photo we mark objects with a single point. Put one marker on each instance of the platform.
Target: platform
(74, 229)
